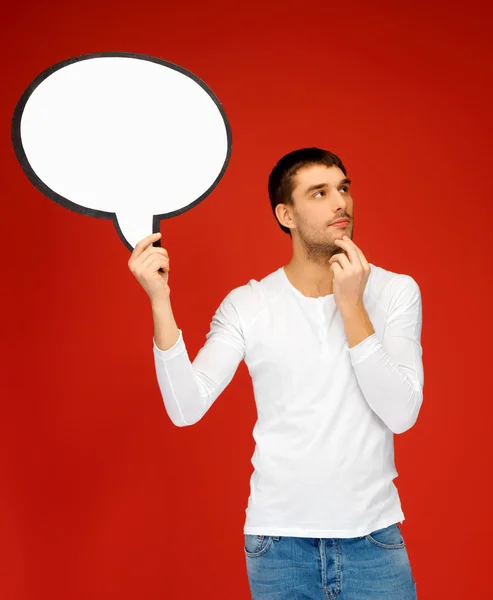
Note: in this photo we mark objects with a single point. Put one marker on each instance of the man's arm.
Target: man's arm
(390, 374)
(166, 332)
(189, 389)
(357, 325)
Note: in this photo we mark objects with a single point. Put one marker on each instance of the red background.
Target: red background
(100, 495)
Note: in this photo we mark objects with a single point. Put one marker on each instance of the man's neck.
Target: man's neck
(312, 280)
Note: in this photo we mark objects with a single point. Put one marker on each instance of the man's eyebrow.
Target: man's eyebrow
(319, 186)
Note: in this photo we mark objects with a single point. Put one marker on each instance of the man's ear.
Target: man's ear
(282, 213)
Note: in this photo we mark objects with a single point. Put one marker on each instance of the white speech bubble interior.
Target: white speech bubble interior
(127, 136)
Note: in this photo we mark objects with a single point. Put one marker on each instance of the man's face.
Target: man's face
(321, 195)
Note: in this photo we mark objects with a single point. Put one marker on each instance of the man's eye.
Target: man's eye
(343, 187)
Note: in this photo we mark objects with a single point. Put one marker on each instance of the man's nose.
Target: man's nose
(339, 201)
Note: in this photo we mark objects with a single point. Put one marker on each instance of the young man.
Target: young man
(333, 346)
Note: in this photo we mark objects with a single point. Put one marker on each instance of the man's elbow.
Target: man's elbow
(184, 413)
(403, 427)
(406, 424)
(180, 421)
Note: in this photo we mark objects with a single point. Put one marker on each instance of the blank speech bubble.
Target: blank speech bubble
(122, 136)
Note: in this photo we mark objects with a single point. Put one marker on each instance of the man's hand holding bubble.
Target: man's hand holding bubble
(150, 266)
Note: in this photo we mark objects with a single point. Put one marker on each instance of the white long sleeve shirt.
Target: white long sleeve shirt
(324, 454)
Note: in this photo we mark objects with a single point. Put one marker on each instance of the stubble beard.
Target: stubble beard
(317, 248)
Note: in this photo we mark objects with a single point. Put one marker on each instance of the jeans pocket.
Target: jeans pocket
(256, 545)
(387, 537)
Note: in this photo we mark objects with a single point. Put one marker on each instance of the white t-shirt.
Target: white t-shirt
(324, 455)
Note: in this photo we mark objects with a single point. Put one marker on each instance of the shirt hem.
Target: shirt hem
(397, 517)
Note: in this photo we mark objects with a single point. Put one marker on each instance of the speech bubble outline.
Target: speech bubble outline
(16, 134)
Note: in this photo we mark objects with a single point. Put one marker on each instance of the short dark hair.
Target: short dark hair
(280, 184)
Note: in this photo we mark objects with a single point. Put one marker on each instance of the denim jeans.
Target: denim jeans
(370, 567)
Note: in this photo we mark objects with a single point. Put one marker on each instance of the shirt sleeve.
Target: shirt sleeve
(189, 388)
(390, 373)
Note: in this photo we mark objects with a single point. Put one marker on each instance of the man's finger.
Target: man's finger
(145, 242)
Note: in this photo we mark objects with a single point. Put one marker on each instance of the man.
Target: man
(332, 344)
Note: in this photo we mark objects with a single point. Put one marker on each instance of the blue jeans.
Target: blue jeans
(371, 567)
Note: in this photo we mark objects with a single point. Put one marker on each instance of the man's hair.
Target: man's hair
(281, 178)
